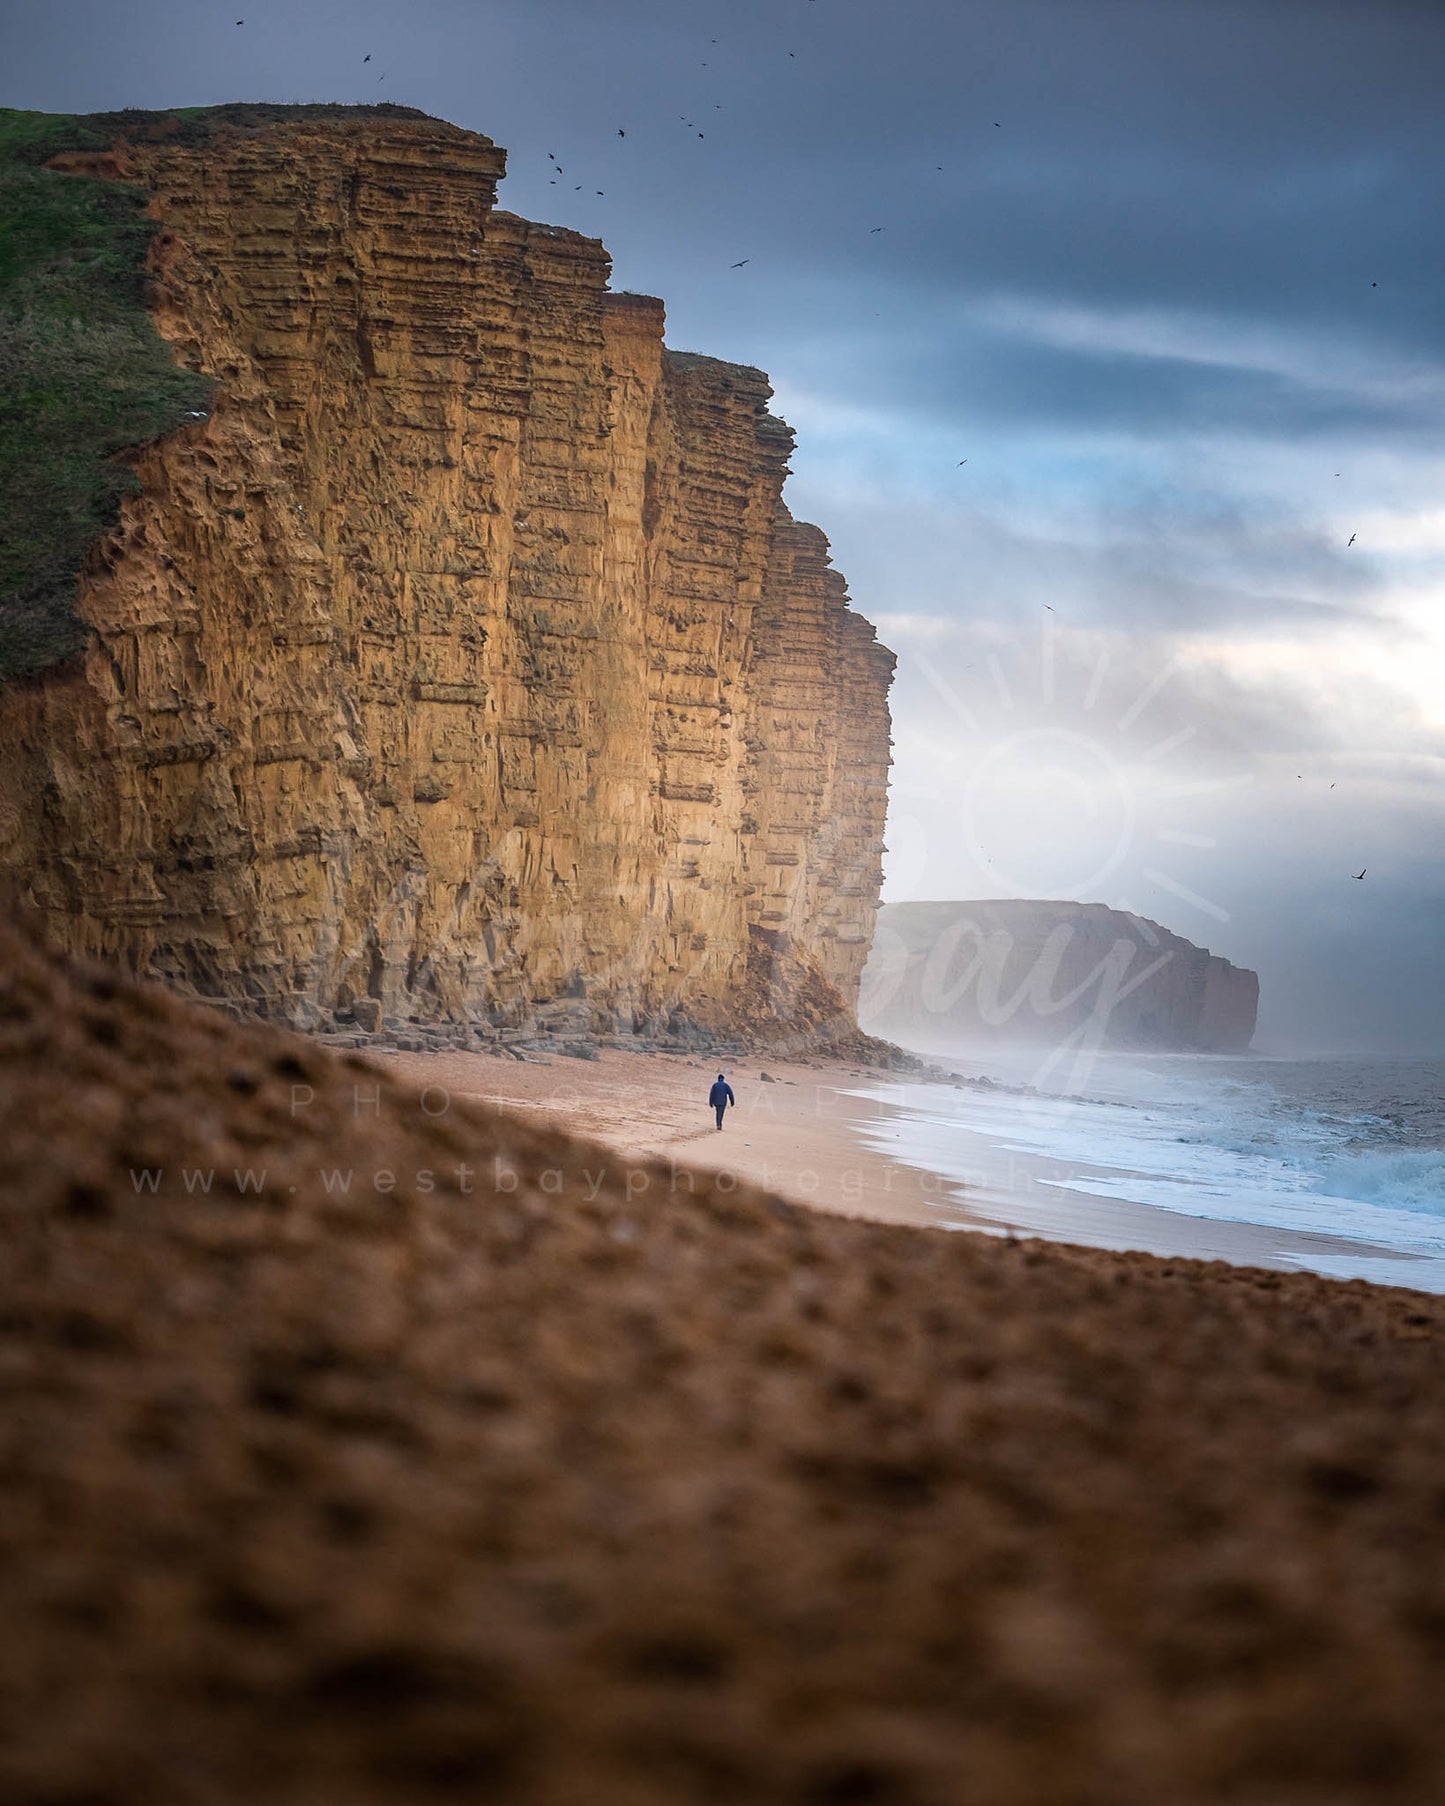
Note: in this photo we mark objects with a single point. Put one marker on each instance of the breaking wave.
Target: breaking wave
(1404, 1178)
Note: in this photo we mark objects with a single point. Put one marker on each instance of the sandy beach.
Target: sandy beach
(790, 1133)
(367, 1445)
(808, 1132)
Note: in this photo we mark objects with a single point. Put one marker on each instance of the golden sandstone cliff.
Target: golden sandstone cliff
(463, 665)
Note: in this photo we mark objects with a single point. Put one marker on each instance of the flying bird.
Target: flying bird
(1350, 542)
(620, 132)
(741, 261)
(367, 57)
(873, 229)
(961, 463)
(1360, 874)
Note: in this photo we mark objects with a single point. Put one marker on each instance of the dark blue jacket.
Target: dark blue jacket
(721, 1093)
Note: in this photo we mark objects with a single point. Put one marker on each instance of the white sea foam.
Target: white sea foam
(1408, 1178)
(1348, 1150)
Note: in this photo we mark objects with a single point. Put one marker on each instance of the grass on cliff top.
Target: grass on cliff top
(83, 372)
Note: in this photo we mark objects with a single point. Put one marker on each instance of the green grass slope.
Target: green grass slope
(83, 372)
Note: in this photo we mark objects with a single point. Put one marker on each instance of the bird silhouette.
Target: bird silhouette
(1350, 542)
(961, 463)
(741, 261)
(367, 57)
(620, 132)
(873, 229)
(1360, 873)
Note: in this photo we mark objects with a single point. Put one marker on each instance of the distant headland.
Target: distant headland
(962, 973)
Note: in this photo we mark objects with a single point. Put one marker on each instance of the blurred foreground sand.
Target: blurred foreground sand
(351, 1454)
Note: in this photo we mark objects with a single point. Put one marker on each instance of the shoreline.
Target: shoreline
(805, 1134)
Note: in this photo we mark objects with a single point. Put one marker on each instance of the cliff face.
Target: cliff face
(952, 973)
(464, 663)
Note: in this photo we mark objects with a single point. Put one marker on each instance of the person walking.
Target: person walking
(720, 1097)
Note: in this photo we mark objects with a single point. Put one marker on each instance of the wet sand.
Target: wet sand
(809, 1137)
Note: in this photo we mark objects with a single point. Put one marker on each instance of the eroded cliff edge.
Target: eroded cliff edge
(951, 975)
(463, 664)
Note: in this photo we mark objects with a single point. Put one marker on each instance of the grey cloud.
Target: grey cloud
(992, 684)
(984, 378)
(1167, 561)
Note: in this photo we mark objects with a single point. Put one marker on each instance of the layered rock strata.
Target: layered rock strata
(944, 974)
(464, 665)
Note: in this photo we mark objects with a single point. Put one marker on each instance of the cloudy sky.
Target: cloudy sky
(1170, 277)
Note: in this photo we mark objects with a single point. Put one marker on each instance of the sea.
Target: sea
(1335, 1165)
